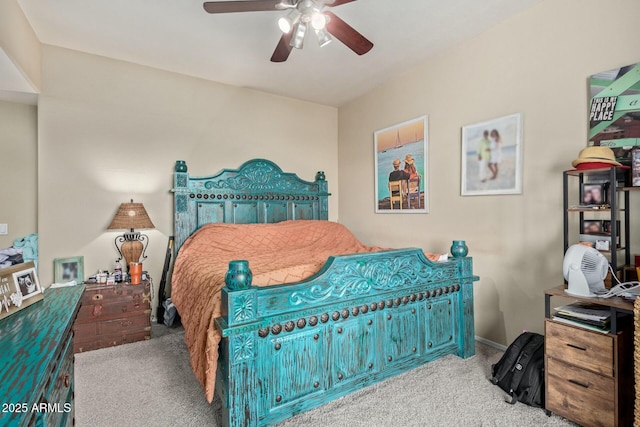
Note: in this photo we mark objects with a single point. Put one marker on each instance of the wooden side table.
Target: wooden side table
(113, 315)
(588, 374)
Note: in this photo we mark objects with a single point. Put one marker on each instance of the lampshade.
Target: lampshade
(129, 217)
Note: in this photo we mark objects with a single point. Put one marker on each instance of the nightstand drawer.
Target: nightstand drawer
(580, 347)
(111, 302)
(111, 340)
(140, 322)
(112, 315)
(580, 395)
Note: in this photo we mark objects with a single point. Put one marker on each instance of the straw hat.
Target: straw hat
(408, 159)
(396, 162)
(602, 156)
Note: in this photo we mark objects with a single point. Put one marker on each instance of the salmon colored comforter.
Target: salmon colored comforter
(284, 252)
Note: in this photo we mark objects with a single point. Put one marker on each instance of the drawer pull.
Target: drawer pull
(578, 383)
(97, 297)
(577, 347)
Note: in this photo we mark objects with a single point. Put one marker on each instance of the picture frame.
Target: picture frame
(499, 140)
(635, 167)
(19, 288)
(592, 226)
(613, 118)
(401, 176)
(68, 269)
(593, 194)
(606, 227)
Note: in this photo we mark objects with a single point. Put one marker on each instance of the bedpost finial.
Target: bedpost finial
(238, 275)
(320, 176)
(459, 249)
(181, 166)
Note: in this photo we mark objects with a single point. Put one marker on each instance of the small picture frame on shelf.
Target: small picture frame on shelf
(593, 194)
(606, 226)
(592, 226)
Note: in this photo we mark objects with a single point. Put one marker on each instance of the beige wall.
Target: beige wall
(537, 64)
(110, 131)
(19, 42)
(18, 170)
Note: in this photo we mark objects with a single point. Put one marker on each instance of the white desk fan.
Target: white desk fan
(584, 269)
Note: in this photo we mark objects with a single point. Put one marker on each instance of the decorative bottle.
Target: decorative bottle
(117, 272)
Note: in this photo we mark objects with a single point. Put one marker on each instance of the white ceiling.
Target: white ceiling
(235, 48)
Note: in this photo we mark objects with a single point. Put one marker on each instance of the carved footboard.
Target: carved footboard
(363, 318)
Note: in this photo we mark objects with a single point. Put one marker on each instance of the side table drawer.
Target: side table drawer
(580, 395)
(579, 347)
(139, 322)
(111, 340)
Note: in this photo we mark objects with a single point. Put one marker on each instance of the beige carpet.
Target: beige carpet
(150, 383)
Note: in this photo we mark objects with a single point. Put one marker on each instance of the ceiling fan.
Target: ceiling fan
(303, 15)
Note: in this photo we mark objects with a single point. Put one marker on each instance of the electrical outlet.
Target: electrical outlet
(4, 229)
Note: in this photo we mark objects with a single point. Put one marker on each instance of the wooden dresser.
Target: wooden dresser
(112, 315)
(588, 374)
(36, 368)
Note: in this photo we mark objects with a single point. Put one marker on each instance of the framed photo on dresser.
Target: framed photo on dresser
(68, 269)
(19, 288)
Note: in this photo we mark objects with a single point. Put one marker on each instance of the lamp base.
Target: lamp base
(131, 247)
(131, 251)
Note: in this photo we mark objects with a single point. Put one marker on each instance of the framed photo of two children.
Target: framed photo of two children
(492, 157)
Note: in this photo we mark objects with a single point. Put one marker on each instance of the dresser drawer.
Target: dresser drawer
(111, 340)
(137, 322)
(580, 395)
(59, 389)
(579, 347)
(110, 306)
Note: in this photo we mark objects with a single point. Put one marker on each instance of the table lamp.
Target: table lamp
(133, 245)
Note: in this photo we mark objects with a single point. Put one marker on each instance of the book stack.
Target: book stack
(585, 315)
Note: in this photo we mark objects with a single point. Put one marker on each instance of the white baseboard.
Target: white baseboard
(491, 343)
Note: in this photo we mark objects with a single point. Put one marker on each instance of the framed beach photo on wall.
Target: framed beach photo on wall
(401, 175)
(492, 157)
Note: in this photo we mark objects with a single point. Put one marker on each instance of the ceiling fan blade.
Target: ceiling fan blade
(241, 6)
(337, 2)
(283, 48)
(347, 34)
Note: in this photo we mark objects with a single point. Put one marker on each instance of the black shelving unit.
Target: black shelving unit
(615, 208)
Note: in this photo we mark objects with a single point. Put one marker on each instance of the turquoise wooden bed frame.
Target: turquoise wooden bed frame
(363, 318)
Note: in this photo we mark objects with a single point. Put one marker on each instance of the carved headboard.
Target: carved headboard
(257, 192)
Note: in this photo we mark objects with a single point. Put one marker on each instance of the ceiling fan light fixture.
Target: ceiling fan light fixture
(318, 21)
(323, 37)
(287, 22)
(298, 36)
